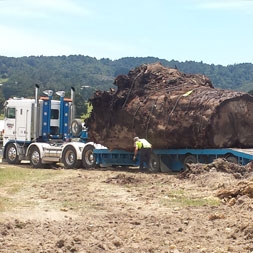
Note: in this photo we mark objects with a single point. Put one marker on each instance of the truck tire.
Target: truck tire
(69, 158)
(76, 127)
(88, 159)
(189, 159)
(12, 154)
(154, 163)
(35, 158)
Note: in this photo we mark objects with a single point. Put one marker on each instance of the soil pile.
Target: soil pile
(221, 165)
(172, 110)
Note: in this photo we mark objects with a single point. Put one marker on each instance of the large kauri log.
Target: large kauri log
(172, 110)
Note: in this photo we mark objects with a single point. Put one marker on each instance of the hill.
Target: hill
(62, 72)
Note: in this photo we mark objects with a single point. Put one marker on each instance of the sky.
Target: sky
(215, 32)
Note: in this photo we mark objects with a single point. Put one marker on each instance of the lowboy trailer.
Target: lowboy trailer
(175, 160)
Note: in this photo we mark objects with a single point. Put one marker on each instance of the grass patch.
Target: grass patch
(12, 180)
(16, 175)
(3, 203)
(182, 199)
(72, 205)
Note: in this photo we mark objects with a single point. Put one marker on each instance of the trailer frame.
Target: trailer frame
(173, 160)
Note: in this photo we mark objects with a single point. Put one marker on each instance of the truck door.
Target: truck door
(23, 123)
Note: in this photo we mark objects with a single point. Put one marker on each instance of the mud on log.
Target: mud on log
(172, 110)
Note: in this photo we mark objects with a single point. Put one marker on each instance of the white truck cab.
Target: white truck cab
(19, 120)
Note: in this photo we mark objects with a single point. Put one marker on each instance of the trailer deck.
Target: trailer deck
(174, 160)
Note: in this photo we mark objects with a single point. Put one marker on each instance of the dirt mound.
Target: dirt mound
(122, 179)
(242, 188)
(221, 165)
(172, 110)
(233, 182)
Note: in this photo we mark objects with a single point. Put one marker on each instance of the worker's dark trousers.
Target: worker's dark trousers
(145, 154)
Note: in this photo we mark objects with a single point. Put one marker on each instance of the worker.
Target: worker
(145, 149)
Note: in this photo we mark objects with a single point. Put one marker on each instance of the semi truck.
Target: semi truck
(43, 130)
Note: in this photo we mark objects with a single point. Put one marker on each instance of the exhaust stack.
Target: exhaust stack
(73, 107)
(36, 113)
(61, 94)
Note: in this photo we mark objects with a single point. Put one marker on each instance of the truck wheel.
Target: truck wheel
(12, 154)
(76, 127)
(154, 163)
(88, 158)
(35, 159)
(189, 159)
(69, 158)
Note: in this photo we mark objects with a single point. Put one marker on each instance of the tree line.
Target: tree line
(87, 74)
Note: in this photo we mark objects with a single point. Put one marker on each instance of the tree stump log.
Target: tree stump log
(172, 110)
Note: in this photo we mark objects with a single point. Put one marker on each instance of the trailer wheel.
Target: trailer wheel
(12, 154)
(88, 158)
(35, 158)
(231, 158)
(76, 127)
(189, 159)
(69, 158)
(154, 163)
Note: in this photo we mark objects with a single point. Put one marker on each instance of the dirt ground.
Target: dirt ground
(124, 210)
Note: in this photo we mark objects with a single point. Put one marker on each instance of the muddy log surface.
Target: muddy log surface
(172, 110)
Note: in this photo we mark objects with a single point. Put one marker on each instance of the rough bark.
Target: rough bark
(172, 110)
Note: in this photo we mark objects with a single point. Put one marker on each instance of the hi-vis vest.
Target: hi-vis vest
(142, 143)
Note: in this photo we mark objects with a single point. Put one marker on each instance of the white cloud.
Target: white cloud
(16, 43)
(244, 5)
(40, 8)
(29, 27)
(67, 6)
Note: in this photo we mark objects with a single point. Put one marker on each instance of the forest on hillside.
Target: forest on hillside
(87, 74)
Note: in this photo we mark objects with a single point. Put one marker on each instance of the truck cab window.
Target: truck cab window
(10, 113)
